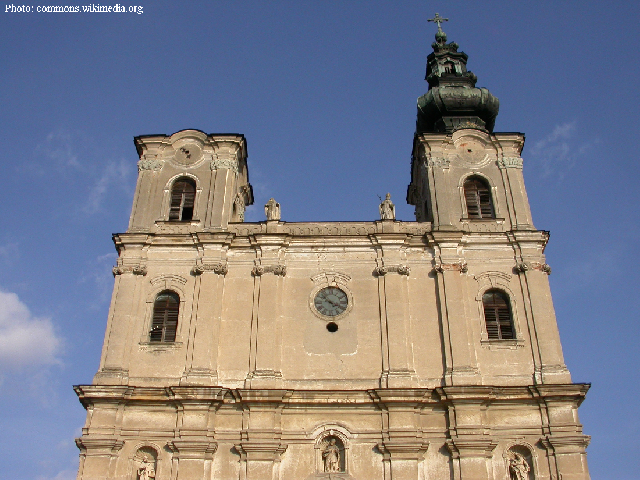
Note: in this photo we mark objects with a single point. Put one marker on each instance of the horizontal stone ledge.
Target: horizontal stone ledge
(292, 398)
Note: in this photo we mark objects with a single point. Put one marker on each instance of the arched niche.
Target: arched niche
(144, 463)
(520, 462)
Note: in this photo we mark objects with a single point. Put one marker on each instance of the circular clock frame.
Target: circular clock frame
(333, 298)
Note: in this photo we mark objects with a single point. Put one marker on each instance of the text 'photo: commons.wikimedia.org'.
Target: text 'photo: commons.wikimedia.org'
(80, 8)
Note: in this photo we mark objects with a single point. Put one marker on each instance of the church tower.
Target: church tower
(381, 349)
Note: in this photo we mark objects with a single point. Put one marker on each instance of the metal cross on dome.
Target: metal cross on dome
(438, 20)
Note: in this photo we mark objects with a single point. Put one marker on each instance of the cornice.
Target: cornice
(573, 392)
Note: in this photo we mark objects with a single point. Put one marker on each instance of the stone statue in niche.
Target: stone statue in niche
(387, 209)
(272, 210)
(518, 467)
(146, 470)
(331, 457)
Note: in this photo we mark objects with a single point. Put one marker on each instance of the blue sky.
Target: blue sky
(325, 93)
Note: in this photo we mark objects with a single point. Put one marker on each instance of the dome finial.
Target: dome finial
(441, 37)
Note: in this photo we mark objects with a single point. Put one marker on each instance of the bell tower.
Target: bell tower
(464, 176)
(190, 177)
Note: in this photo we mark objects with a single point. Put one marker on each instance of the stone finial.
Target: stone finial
(387, 209)
(272, 210)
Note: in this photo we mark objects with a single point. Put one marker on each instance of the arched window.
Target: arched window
(497, 315)
(478, 198)
(165, 317)
(183, 195)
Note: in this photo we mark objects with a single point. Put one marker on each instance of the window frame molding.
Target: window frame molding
(498, 281)
(175, 284)
(166, 199)
(493, 191)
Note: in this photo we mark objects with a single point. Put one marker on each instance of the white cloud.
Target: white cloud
(24, 339)
(113, 174)
(59, 147)
(558, 152)
(9, 251)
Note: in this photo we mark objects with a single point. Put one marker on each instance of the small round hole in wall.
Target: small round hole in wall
(332, 327)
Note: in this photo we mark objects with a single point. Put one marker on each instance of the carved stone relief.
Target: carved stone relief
(522, 267)
(120, 269)
(260, 270)
(150, 162)
(229, 163)
(440, 162)
(510, 162)
(460, 266)
(399, 269)
(219, 268)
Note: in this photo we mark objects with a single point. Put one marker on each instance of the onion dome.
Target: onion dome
(453, 102)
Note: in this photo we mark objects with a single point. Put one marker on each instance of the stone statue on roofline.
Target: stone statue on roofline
(387, 209)
(272, 210)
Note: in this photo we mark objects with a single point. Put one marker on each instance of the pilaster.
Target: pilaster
(461, 362)
(202, 348)
(393, 296)
(192, 457)
(261, 445)
(266, 324)
(403, 446)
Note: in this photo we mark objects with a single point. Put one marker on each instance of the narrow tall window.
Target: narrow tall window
(183, 195)
(165, 317)
(497, 315)
(478, 198)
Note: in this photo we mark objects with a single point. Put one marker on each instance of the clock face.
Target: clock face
(331, 301)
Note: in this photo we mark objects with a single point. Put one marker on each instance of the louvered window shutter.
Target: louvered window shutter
(183, 196)
(478, 199)
(497, 316)
(165, 318)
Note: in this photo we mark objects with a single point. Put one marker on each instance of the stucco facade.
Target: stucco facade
(402, 378)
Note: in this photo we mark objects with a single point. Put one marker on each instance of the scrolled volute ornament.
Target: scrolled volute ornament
(399, 269)
(260, 270)
(121, 269)
(219, 268)
(542, 267)
(460, 266)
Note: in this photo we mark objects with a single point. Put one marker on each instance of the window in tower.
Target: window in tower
(477, 195)
(183, 195)
(165, 317)
(497, 315)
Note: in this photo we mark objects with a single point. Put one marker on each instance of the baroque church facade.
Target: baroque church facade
(337, 350)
